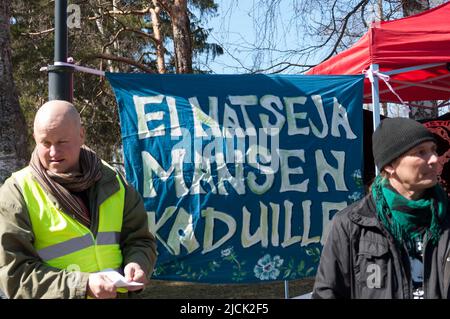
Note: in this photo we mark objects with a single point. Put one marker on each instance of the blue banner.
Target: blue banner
(241, 174)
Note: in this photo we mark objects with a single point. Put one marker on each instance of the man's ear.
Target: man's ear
(389, 168)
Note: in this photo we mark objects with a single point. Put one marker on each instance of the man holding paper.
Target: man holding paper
(68, 217)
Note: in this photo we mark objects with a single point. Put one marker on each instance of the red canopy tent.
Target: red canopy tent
(412, 54)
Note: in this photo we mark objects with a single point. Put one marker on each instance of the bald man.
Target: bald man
(59, 137)
(68, 216)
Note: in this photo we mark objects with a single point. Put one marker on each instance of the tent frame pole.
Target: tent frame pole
(375, 100)
(401, 87)
(413, 68)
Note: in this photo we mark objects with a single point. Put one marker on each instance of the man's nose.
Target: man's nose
(53, 151)
(434, 158)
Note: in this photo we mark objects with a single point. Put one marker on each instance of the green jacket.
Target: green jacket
(22, 272)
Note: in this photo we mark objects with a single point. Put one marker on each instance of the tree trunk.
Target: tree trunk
(13, 136)
(156, 25)
(116, 44)
(181, 36)
(99, 24)
(429, 109)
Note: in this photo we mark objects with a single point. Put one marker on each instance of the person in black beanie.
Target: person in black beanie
(394, 242)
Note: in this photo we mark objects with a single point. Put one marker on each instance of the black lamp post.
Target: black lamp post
(60, 77)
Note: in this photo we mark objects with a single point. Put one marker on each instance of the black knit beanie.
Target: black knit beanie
(395, 136)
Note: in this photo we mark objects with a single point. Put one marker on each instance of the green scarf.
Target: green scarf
(407, 219)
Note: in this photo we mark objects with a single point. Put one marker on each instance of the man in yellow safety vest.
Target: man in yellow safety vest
(68, 216)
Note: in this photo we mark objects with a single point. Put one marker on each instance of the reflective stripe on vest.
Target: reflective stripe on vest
(79, 243)
(63, 242)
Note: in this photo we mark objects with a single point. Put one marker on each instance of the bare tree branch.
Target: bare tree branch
(125, 60)
(139, 32)
(39, 33)
(286, 66)
(343, 29)
(123, 13)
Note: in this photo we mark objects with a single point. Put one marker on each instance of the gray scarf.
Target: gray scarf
(61, 185)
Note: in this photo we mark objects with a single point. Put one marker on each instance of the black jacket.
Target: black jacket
(360, 259)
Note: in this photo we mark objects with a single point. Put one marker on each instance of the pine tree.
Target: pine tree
(13, 145)
(113, 35)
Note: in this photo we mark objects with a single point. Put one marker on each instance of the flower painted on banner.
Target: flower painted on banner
(355, 196)
(238, 273)
(357, 174)
(268, 268)
(226, 252)
(357, 177)
(314, 253)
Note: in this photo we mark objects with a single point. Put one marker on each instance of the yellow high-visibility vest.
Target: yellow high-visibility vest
(63, 242)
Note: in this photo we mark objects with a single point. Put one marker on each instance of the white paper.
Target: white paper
(119, 280)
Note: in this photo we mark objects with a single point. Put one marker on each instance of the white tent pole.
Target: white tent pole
(375, 96)
(286, 289)
(401, 87)
(375, 100)
(413, 68)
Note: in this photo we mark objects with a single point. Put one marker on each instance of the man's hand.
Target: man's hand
(100, 287)
(134, 272)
